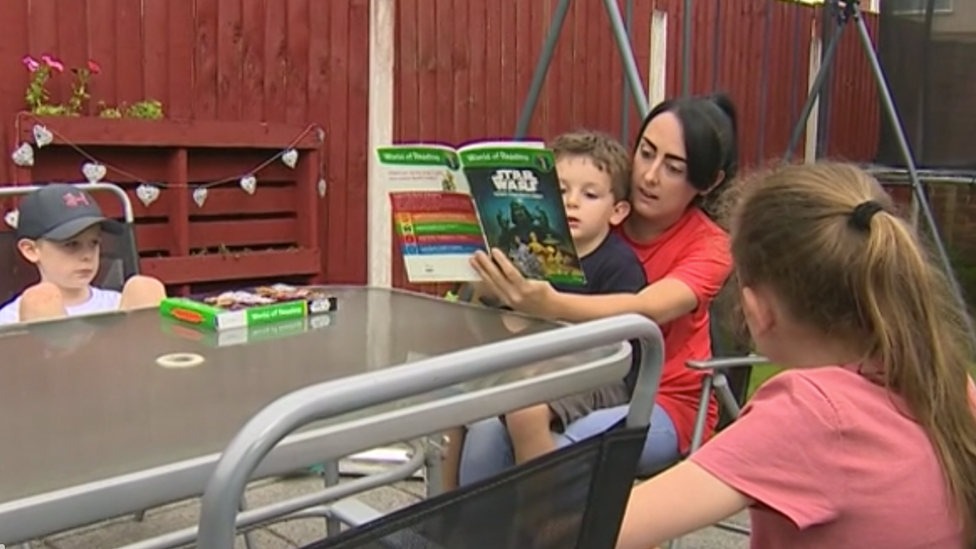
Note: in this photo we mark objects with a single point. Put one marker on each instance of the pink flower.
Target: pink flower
(53, 63)
(93, 67)
(31, 63)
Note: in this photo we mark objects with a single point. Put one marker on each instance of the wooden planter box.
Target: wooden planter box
(235, 238)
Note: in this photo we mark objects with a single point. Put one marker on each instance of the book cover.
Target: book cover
(519, 202)
(248, 308)
(447, 204)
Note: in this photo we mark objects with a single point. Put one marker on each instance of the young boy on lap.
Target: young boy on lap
(594, 175)
(59, 230)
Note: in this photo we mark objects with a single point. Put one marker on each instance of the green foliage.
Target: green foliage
(37, 97)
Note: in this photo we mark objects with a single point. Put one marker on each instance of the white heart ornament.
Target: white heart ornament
(249, 183)
(11, 218)
(147, 194)
(200, 196)
(23, 156)
(93, 171)
(42, 136)
(322, 187)
(290, 158)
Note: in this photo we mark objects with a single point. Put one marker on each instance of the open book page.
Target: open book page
(430, 168)
(479, 145)
(517, 195)
(436, 225)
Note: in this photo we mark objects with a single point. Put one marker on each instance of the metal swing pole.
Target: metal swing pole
(843, 16)
(852, 12)
(542, 68)
(622, 38)
(627, 59)
(686, 49)
(624, 107)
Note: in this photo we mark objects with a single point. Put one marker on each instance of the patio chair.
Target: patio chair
(119, 256)
(574, 497)
(727, 376)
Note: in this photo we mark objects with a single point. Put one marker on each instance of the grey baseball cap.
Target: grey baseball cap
(58, 212)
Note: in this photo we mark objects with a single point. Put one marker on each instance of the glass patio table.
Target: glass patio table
(107, 415)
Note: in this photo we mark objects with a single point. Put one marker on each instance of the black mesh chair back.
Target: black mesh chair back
(119, 259)
(573, 498)
(729, 339)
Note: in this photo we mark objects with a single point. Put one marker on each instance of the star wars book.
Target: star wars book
(449, 203)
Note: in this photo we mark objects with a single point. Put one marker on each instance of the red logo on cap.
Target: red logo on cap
(75, 200)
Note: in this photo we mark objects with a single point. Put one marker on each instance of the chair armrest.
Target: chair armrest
(726, 363)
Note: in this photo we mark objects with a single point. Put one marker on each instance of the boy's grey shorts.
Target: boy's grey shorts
(569, 409)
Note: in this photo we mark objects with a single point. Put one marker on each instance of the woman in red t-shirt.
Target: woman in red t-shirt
(685, 155)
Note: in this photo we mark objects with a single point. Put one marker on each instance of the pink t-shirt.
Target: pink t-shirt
(833, 463)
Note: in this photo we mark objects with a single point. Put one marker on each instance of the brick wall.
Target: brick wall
(954, 208)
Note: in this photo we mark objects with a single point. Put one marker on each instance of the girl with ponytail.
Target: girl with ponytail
(868, 439)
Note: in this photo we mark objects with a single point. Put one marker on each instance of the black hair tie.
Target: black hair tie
(861, 216)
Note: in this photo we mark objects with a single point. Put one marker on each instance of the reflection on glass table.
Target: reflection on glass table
(86, 401)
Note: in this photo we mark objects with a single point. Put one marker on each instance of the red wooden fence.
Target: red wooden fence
(463, 70)
(293, 63)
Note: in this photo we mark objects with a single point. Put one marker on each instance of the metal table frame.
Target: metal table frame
(219, 518)
(60, 510)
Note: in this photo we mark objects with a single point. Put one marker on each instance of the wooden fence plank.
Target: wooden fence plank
(407, 99)
(355, 133)
(338, 118)
(14, 45)
(43, 35)
(186, 270)
(72, 43)
(495, 33)
(182, 61)
(319, 101)
(128, 51)
(171, 133)
(101, 48)
(155, 33)
(477, 39)
(229, 60)
(275, 61)
(252, 42)
(297, 55)
(460, 59)
(207, 58)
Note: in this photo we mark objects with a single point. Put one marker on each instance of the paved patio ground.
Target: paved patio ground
(287, 535)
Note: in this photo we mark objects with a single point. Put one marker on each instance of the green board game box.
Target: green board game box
(248, 308)
(246, 335)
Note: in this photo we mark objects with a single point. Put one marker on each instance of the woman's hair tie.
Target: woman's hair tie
(860, 218)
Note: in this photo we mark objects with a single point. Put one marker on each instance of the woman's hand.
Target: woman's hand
(503, 280)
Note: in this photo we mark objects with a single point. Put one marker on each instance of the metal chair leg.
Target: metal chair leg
(330, 476)
(701, 418)
(433, 465)
(248, 540)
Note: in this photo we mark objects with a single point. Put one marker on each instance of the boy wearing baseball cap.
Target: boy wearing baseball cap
(59, 230)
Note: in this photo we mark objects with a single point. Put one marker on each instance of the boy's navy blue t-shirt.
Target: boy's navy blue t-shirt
(613, 268)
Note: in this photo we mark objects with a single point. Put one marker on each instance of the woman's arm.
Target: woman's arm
(662, 301)
(697, 278)
(677, 502)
